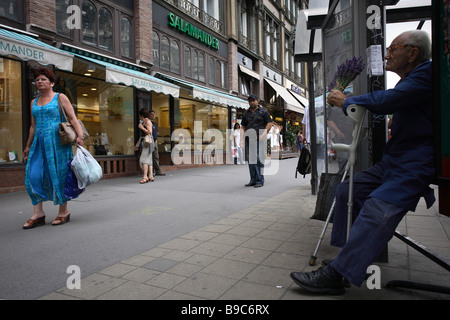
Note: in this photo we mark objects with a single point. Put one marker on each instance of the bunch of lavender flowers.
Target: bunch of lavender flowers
(346, 73)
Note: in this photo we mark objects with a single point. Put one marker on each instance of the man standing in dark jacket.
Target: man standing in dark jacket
(384, 193)
(256, 123)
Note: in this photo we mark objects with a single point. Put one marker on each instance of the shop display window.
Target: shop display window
(160, 104)
(196, 118)
(107, 111)
(10, 111)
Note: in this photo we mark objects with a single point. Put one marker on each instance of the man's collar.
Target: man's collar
(257, 107)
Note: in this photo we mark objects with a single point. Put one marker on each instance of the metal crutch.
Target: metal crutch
(357, 114)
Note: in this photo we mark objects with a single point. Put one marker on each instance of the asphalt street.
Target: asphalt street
(115, 219)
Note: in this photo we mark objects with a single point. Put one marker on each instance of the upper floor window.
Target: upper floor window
(89, 29)
(105, 35)
(180, 58)
(125, 38)
(289, 53)
(9, 9)
(272, 40)
(209, 12)
(62, 17)
(194, 64)
(97, 27)
(166, 53)
(247, 25)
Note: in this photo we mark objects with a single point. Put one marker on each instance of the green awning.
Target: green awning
(28, 48)
(210, 95)
(132, 78)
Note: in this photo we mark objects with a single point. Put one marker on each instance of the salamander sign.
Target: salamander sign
(194, 32)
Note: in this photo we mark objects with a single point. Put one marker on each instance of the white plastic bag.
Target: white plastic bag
(86, 168)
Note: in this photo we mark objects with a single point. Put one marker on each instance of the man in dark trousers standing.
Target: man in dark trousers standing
(256, 122)
(155, 155)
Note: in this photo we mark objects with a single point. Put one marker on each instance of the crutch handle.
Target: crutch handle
(357, 114)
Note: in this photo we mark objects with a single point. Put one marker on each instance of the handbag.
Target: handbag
(67, 134)
(148, 140)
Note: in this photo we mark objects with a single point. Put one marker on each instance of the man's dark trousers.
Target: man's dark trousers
(255, 158)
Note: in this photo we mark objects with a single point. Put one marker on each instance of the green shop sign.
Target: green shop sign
(193, 31)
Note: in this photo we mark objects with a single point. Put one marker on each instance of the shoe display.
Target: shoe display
(323, 280)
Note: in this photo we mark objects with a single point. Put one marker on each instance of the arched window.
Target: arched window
(89, 23)
(187, 62)
(217, 73)
(61, 17)
(194, 64)
(174, 57)
(125, 38)
(201, 67)
(211, 71)
(165, 62)
(156, 49)
(105, 32)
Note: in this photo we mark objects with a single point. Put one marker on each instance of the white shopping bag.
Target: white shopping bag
(86, 168)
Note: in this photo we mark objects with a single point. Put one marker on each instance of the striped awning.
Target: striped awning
(26, 47)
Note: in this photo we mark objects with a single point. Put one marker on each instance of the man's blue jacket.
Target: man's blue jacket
(408, 157)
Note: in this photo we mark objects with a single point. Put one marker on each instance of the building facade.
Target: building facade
(193, 62)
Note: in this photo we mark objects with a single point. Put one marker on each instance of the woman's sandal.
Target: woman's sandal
(152, 179)
(144, 180)
(61, 220)
(33, 223)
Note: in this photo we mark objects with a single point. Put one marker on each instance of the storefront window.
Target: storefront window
(196, 118)
(10, 111)
(160, 104)
(106, 110)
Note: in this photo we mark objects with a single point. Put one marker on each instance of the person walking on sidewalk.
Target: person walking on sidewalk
(46, 157)
(238, 157)
(156, 167)
(256, 122)
(145, 159)
(384, 193)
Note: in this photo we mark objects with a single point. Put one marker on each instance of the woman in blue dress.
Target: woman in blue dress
(46, 168)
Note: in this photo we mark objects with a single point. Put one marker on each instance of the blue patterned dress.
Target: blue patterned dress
(46, 169)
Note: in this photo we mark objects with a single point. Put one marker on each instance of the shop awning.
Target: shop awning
(291, 103)
(249, 72)
(210, 95)
(120, 75)
(303, 101)
(29, 48)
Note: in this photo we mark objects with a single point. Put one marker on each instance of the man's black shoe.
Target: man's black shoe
(323, 281)
(250, 184)
(258, 185)
(160, 174)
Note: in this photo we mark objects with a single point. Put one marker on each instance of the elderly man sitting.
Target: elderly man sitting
(384, 193)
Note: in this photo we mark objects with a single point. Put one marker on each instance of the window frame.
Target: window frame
(117, 14)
